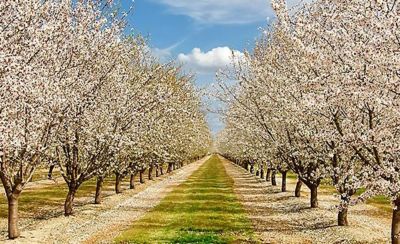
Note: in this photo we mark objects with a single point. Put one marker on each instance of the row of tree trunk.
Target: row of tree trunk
(270, 176)
(119, 178)
(342, 218)
(14, 193)
(72, 189)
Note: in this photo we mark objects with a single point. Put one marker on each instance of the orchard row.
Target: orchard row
(77, 93)
(320, 96)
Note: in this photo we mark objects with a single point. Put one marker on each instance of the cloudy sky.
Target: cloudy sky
(201, 34)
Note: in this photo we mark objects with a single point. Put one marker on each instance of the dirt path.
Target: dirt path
(281, 218)
(101, 223)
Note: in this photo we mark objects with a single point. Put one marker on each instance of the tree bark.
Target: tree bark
(297, 191)
(50, 174)
(170, 168)
(13, 231)
(342, 217)
(118, 180)
(99, 187)
(262, 174)
(69, 201)
(161, 170)
(157, 172)
(252, 169)
(273, 177)
(258, 173)
(141, 176)
(132, 182)
(151, 173)
(396, 222)
(283, 188)
(314, 196)
(268, 177)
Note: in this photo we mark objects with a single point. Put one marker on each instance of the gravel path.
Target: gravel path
(102, 223)
(281, 218)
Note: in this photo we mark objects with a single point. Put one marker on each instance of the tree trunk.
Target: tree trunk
(297, 191)
(284, 173)
(132, 182)
(342, 217)
(141, 177)
(396, 222)
(258, 173)
(252, 169)
(157, 172)
(118, 180)
(262, 174)
(13, 231)
(314, 196)
(161, 170)
(69, 201)
(268, 177)
(50, 174)
(169, 168)
(151, 173)
(273, 177)
(99, 187)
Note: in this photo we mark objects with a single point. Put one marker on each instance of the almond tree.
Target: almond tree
(75, 90)
(141, 76)
(327, 98)
(134, 79)
(351, 91)
(32, 63)
(87, 129)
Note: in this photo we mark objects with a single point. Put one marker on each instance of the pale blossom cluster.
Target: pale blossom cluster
(77, 93)
(319, 95)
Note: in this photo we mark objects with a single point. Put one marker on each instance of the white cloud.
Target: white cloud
(211, 61)
(224, 11)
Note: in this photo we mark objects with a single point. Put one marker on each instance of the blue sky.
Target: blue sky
(200, 33)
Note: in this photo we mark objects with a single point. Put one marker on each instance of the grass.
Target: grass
(381, 202)
(204, 209)
(41, 202)
(42, 174)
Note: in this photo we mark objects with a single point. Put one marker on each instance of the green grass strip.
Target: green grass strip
(203, 209)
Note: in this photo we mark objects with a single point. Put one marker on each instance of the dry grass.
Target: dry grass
(44, 199)
(47, 200)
